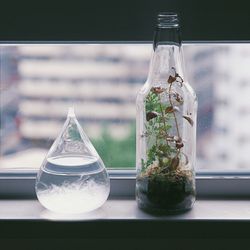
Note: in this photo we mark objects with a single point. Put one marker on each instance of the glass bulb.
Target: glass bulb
(72, 178)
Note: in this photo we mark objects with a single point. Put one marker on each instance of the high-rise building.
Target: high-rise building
(230, 145)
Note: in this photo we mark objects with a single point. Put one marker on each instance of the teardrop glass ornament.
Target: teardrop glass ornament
(72, 178)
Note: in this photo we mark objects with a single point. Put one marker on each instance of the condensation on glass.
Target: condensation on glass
(166, 127)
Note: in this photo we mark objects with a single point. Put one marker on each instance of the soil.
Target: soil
(166, 193)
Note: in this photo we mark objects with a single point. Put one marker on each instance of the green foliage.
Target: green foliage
(162, 152)
(153, 102)
(116, 153)
(152, 152)
(158, 129)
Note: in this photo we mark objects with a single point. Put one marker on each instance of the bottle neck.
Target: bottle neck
(166, 56)
(166, 36)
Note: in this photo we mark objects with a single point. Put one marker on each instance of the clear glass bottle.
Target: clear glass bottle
(166, 127)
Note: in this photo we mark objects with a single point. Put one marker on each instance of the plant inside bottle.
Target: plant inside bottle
(165, 180)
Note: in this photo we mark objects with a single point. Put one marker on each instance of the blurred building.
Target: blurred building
(201, 69)
(100, 81)
(230, 144)
(40, 82)
(9, 100)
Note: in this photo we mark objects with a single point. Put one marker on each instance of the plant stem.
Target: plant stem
(163, 117)
(170, 101)
(175, 119)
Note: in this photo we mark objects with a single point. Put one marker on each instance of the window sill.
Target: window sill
(21, 184)
(120, 218)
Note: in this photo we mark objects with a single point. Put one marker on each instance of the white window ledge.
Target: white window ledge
(127, 210)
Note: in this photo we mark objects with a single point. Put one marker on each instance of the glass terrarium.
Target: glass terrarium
(166, 127)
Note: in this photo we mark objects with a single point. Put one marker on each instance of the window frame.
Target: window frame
(16, 183)
(21, 184)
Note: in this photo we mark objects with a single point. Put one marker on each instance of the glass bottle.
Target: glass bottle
(72, 178)
(166, 127)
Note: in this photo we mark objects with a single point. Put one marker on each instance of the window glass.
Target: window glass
(40, 82)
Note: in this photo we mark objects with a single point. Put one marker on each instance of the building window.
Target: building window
(39, 83)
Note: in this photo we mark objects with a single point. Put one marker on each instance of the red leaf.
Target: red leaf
(171, 79)
(191, 122)
(179, 145)
(178, 98)
(151, 115)
(157, 90)
(174, 162)
(169, 109)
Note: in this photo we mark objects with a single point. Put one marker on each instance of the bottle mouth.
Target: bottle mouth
(167, 20)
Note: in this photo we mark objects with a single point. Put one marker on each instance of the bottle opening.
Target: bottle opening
(167, 20)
